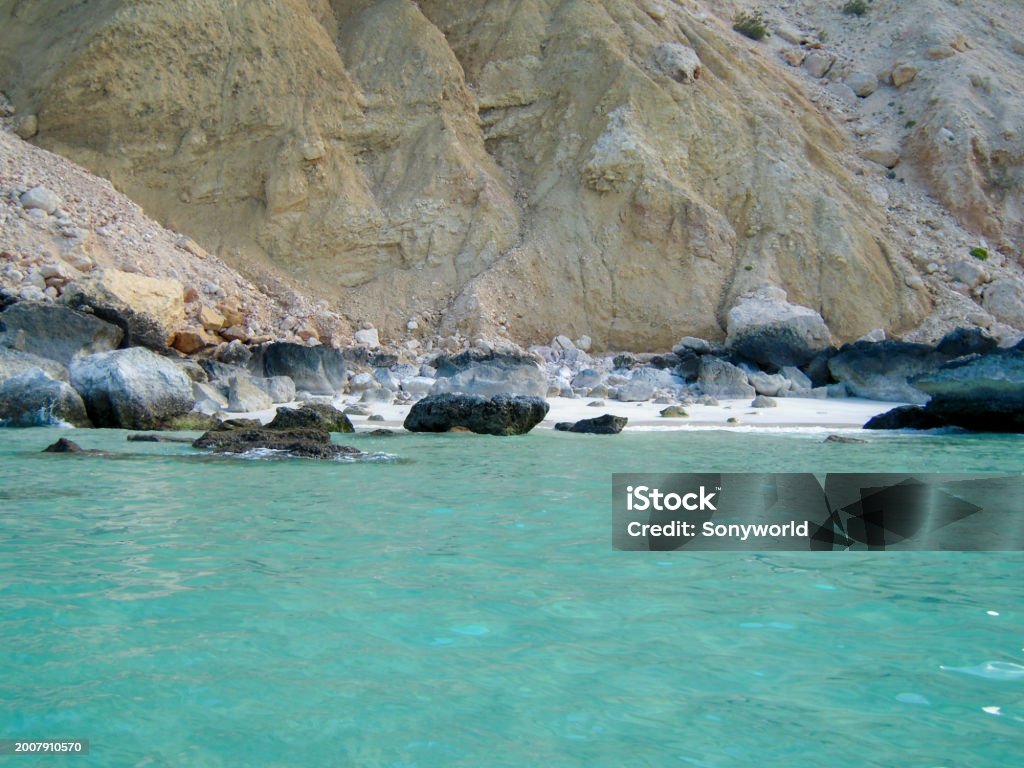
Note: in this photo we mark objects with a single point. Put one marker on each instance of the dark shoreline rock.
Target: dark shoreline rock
(312, 415)
(302, 443)
(499, 415)
(906, 417)
(33, 399)
(602, 425)
(984, 393)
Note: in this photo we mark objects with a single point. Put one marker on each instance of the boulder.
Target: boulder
(312, 416)
(14, 362)
(966, 341)
(43, 198)
(881, 370)
(280, 389)
(131, 388)
(768, 330)
(674, 412)
(1004, 299)
(498, 415)
(771, 384)
(33, 399)
(677, 61)
(635, 390)
(57, 332)
(418, 385)
(318, 370)
(720, 379)
(602, 425)
(488, 373)
(587, 378)
(303, 443)
(979, 392)
(906, 417)
(148, 310)
(209, 399)
(244, 395)
(763, 401)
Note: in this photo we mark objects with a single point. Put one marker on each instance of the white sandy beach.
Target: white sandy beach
(838, 413)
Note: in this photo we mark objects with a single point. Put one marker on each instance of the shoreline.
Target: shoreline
(790, 413)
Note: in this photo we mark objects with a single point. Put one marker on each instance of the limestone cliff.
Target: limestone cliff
(613, 168)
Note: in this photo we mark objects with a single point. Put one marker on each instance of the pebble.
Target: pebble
(41, 198)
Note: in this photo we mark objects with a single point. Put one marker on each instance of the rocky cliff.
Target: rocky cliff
(616, 168)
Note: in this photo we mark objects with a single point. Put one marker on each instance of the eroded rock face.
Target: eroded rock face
(885, 370)
(538, 166)
(312, 415)
(499, 415)
(317, 370)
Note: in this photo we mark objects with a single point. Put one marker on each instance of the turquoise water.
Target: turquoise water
(463, 607)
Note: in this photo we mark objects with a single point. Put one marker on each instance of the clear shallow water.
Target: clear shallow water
(463, 607)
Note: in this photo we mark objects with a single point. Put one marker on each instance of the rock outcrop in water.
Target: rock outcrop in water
(309, 443)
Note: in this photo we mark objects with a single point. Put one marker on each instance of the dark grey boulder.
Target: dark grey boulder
(720, 379)
(768, 330)
(131, 388)
(318, 370)
(488, 373)
(33, 399)
(498, 415)
(602, 425)
(301, 443)
(312, 416)
(906, 417)
(763, 401)
(57, 332)
(881, 370)
(979, 392)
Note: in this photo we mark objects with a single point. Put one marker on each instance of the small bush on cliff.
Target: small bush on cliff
(980, 253)
(751, 24)
(856, 8)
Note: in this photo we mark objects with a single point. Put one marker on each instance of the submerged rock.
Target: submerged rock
(302, 443)
(63, 446)
(33, 399)
(602, 425)
(131, 388)
(842, 439)
(498, 415)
